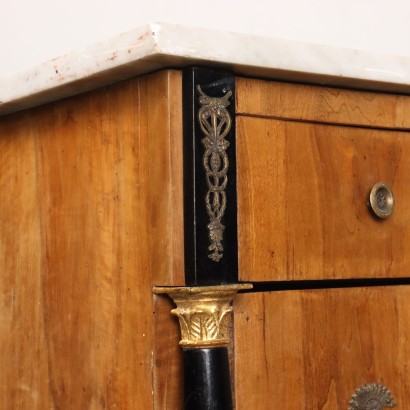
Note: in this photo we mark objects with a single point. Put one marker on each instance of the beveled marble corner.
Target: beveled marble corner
(158, 45)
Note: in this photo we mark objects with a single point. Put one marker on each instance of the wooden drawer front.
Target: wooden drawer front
(262, 98)
(312, 349)
(302, 201)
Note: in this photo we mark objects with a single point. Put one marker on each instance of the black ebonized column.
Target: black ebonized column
(204, 313)
(207, 383)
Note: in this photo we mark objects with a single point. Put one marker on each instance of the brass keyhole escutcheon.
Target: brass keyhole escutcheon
(381, 200)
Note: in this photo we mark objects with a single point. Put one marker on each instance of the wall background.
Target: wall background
(34, 31)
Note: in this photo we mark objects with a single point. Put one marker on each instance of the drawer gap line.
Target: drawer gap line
(275, 286)
(330, 123)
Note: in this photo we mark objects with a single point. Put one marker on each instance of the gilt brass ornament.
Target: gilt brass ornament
(371, 397)
(215, 122)
(204, 313)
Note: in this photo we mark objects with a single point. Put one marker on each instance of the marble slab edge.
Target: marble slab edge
(158, 45)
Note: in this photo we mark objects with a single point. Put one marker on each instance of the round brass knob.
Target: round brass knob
(382, 200)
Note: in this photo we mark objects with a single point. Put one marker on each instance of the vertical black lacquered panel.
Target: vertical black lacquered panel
(210, 222)
(207, 383)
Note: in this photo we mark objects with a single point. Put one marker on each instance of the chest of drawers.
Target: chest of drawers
(101, 202)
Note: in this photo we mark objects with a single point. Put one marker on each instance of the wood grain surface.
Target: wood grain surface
(321, 104)
(306, 350)
(91, 218)
(168, 370)
(302, 201)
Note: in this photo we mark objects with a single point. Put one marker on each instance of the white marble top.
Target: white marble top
(158, 45)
